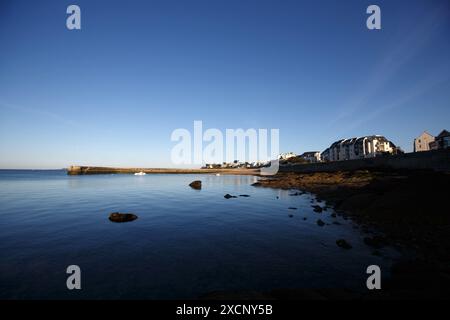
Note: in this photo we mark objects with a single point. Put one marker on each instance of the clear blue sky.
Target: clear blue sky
(112, 93)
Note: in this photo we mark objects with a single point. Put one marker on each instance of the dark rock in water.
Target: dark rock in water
(244, 195)
(333, 215)
(305, 218)
(365, 229)
(343, 244)
(256, 184)
(122, 217)
(317, 208)
(228, 196)
(376, 242)
(292, 208)
(320, 223)
(376, 253)
(197, 184)
(278, 197)
(290, 216)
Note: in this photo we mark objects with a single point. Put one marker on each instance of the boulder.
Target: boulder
(197, 184)
(376, 253)
(343, 244)
(376, 242)
(292, 208)
(122, 217)
(320, 223)
(228, 196)
(317, 208)
(244, 195)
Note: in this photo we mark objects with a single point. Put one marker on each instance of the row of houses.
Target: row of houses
(374, 146)
(310, 156)
(359, 148)
(351, 149)
(236, 164)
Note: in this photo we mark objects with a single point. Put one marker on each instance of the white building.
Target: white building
(286, 155)
(311, 156)
(359, 148)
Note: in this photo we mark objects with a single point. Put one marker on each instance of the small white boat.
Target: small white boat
(140, 173)
(218, 174)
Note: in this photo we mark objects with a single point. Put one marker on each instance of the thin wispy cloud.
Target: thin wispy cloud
(435, 78)
(40, 112)
(55, 117)
(410, 44)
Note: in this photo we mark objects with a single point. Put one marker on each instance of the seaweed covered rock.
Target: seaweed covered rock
(197, 184)
(122, 217)
(343, 244)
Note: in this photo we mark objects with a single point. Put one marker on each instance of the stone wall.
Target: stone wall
(81, 170)
(438, 160)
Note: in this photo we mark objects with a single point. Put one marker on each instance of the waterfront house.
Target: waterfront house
(422, 142)
(347, 151)
(286, 155)
(325, 155)
(442, 141)
(335, 149)
(359, 148)
(311, 156)
(212, 166)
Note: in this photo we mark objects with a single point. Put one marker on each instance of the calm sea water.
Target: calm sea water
(184, 244)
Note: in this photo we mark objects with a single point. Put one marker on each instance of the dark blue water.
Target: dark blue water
(185, 242)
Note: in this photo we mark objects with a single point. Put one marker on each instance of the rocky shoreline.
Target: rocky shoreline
(408, 208)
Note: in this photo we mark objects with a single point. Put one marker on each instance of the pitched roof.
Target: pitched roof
(425, 133)
(444, 133)
(309, 153)
(349, 141)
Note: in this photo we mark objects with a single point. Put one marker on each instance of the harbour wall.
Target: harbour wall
(82, 170)
(436, 160)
